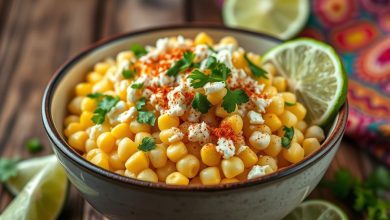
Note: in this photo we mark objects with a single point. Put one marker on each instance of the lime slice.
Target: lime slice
(43, 196)
(317, 210)
(26, 170)
(316, 75)
(280, 18)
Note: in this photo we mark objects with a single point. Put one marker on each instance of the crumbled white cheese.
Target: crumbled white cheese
(162, 80)
(212, 87)
(260, 140)
(113, 114)
(257, 171)
(225, 147)
(126, 116)
(229, 47)
(255, 118)
(95, 131)
(131, 92)
(201, 52)
(194, 115)
(162, 43)
(198, 133)
(178, 135)
(261, 104)
(225, 57)
(176, 102)
(239, 78)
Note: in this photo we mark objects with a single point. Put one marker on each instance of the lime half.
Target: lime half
(42, 197)
(280, 18)
(316, 75)
(317, 210)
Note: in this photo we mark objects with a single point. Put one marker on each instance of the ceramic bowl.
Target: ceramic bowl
(118, 197)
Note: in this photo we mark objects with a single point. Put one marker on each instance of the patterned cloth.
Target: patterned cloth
(360, 32)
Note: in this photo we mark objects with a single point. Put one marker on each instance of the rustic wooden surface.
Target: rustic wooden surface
(36, 36)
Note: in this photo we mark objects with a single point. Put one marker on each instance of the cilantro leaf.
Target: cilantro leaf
(128, 73)
(198, 79)
(147, 144)
(138, 50)
(289, 103)
(137, 85)
(256, 70)
(96, 95)
(219, 73)
(211, 49)
(103, 107)
(140, 103)
(146, 117)
(201, 103)
(288, 136)
(8, 168)
(182, 64)
(175, 69)
(234, 98)
(34, 145)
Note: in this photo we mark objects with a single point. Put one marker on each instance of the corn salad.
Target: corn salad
(189, 112)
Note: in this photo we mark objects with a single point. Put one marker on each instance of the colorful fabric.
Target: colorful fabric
(360, 32)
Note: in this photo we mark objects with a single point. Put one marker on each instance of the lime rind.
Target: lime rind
(317, 210)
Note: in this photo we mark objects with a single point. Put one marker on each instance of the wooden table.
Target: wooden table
(36, 36)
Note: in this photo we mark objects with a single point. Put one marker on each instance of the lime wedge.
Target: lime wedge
(280, 18)
(42, 197)
(26, 170)
(317, 210)
(316, 75)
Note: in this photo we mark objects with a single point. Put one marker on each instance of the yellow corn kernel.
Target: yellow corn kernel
(210, 176)
(248, 157)
(194, 148)
(148, 175)
(90, 144)
(156, 136)
(272, 121)
(294, 153)
(101, 67)
(280, 83)
(188, 165)
(249, 129)
(216, 97)
(102, 86)
(310, 145)
(166, 134)
(315, 131)
(232, 167)
(203, 38)
(274, 147)
(298, 136)
(74, 106)
(101, 160)
(92, 153)
(209, 155)
(94, 77)
(88, 105)
(158, 157)
(77, 140)
(130, 174)
(124, 56)
(298, 110)
(269, 68)
(176, 151)
(122, 130)
(72, 128)
(195, 181)
(289, 97)
(136, 127)
(120, 172)
(166, 121)
(268, 160)
(229, 180)
(259, 141)
(238, 60)
(222, 113)
(164, 171)
(228, 40)
(270, 90)
(140, 136)
(86, 119)
(71, 118)
(137, 162)
(126, 148)
(276, 106)
(301, 125)
(267, 81)
(83, 89)
(235, 121)
(115, 162)
(176, 178)
(288, 119)
(106, 142)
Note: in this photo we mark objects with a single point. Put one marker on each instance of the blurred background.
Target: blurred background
(37, 36)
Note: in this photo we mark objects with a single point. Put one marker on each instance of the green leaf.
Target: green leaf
(146, 117)
(289, 103)
(147, 144)
(8, 168)
(138, 50)
(128, 73)
(137, 85)
(211, 49)
(342, 184)
(288, 136)
(34, 145)
(141, 103)
(175, 69)
(103, 107)
(379, 179)
(256, 70)
(96, 95)
(201, 103)
(234, 98)
(182, 64)
(99, 116)
(219, 73)
(198, 79)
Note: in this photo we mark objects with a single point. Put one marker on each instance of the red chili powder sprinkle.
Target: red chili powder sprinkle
(224, 130)
(163, 92)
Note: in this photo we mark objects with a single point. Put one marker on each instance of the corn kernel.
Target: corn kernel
(124, 56)
(272, 121)
(136, 127)
(158, 157)
(269, 68)
(209, 155)
(188, 165)
(130, 174)
(280, 83)
(88, 105)
(90, 144)
(274, 147)
(289, 97)
(276, 106)
(232, 167)
(120, 172)
(301, 125)
(126, 148)
(248, 130)
(176, 178)
(210, 176)
(166, 121)
(122, 130)
(259, 141)
(222, 113)
(83, 89)
(74, 106)
(86, 119)
(248, 157)
(294, 153)
(77, 140)
(70, 119)
(164, 171)
(72, 128)
(102, 86)
(140, 136)
(270, 90)
(268, 160)
(235, 122)
(298, 110)
(101, 160)
(216, 97)
(176, 151)
(310, 145)
(229, 180)
(148, 175)
(228, 40)
(137, 162)
(106, 142)
(203, 38)
(298, 136)
(94, 77)
(288, 119)
(315, 131)
(115, 162)
(92, 153)
(101, 67)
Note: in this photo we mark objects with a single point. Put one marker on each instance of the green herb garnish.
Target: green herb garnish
(182, 64)
(146, 117)
(234, 98)
(289, 103)
(288, 136)
(96, 95)
(137, 85)
(103, 107)
(147, 144)
(141, 103)
(201, 103)
(256, 70)
(8, 168)
(138, 50)
(34, 145)
(128, 73)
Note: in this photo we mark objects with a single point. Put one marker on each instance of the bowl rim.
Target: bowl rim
(60, 144)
